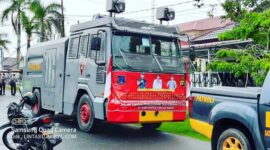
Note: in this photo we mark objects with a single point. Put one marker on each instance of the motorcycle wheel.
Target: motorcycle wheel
(6, 142)
(41, 145)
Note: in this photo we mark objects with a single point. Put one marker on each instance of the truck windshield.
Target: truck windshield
(146, 53)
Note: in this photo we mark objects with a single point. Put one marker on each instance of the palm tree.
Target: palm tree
(14, 12)
(3, 46)
(48, 18)
(29, 27)
(3, 42)
(62, 19)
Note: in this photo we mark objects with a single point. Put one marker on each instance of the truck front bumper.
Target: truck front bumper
(145, 116)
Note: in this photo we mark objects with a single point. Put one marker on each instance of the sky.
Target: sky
(83, 10)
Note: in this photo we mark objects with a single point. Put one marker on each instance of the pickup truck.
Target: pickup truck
(233, 118)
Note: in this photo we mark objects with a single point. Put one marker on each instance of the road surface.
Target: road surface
(109, 136)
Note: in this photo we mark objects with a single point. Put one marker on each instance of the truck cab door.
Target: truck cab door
(72, 74)
(264, 111)
(96, 66)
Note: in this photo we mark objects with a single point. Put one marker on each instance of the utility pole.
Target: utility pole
(153, 11)
(209, 73)
(62, 19)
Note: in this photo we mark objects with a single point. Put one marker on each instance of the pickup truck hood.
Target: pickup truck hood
(248, 93)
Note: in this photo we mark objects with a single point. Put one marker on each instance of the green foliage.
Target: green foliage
(13, 11)
(241, 63)
(3, 41)
(48, 18)
(237, 9)
(234, 9)
(34, 17)
(254, 25)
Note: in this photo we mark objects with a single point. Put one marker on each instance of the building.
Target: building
(203, 37)
(203, 26)
(9, 63)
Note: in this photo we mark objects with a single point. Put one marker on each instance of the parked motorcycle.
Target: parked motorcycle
(25, 132)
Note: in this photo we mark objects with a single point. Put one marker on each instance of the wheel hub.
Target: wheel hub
(85, 113)
(232, 143)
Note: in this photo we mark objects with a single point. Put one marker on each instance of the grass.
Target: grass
(183, 129)
(8, 87)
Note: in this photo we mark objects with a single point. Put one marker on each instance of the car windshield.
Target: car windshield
(146, 53)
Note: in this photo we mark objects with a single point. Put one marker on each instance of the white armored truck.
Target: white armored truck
(112, 69)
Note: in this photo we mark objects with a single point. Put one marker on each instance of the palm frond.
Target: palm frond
(27, 24)
(38, 9)
(3, 42)
(53, 6)
(8, 11)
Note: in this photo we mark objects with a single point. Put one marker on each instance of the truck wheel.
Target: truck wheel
(37, 109)
(233, 139)
(150, 126)
(85, 114)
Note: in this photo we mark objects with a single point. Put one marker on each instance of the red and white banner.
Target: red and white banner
(134, 92)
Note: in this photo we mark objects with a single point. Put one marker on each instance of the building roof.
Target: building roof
(213, 34)
(205, 24)
(9, 63)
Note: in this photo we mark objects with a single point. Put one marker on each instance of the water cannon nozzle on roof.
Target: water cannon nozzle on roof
(115, 6)
(165, 14)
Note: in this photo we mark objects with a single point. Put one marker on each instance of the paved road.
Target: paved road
(111, 136)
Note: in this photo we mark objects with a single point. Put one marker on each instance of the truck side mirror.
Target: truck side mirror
(96, 43)
(192, 54)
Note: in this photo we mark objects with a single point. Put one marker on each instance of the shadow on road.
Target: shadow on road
(109, 129)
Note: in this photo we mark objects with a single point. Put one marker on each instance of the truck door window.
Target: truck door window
(100, 54)
(73, 48)
(83, 45)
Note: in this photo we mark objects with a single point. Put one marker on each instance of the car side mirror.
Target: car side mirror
(96, 43)
(192, 54)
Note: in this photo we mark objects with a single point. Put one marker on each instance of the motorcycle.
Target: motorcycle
(25, 132)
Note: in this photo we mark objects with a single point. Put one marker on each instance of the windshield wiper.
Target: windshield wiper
(124, 58)
(159, 65)
(118, 66)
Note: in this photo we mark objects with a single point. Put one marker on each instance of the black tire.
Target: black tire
(86, 125)
(233, 137)
(150, 126)
(5, 140)
(39, 110)
(42, 144)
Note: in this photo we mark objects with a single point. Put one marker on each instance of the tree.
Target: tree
(242, 63)
(236, 9)
(62, 19)
(254, 25)
(47, 18)
(14, 11)
(3, 42)
(29, 26)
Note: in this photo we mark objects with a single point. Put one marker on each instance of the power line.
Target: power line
(149, 9)
(10, 54)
